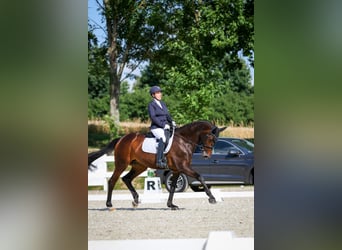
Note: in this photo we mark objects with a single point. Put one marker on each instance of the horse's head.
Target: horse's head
(201, 133)
(208, 140)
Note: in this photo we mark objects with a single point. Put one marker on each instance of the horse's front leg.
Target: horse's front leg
(198, 177)
(174, 179)
(212, 199)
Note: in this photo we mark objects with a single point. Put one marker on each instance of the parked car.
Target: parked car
(232, 162)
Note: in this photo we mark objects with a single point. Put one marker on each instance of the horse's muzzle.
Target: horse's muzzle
(205, 155)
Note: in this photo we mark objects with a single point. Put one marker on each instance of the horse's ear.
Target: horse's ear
(221, 129)
(215, 131)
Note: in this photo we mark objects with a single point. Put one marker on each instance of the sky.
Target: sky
(95, 18)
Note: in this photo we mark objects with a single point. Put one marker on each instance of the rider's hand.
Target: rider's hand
(167, 126)
(173, 124)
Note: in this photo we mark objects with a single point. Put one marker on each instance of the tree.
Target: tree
(98, 88)
(184, 42)
(133, 105)
(97, 67)
(202, 53)
(129, 39)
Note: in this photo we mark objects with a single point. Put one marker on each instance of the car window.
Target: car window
(244, 144)
(222, 147)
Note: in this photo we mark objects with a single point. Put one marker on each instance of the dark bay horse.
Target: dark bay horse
(128, 151)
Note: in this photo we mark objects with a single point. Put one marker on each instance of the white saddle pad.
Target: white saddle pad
(150, 145)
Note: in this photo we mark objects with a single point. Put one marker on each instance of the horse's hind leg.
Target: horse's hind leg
(120, 166)
(111, 184)
(174, 179)
(136, 170)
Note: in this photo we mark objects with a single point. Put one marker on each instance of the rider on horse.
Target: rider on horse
(161, 122)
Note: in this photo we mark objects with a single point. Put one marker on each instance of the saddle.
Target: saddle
(150, 143)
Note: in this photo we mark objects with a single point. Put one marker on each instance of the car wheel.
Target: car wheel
(251, 178)
(182, 182)
(199, 188)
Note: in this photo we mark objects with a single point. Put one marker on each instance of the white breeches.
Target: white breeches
(159, 133)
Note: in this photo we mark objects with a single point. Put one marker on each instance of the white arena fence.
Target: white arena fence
(99, 176)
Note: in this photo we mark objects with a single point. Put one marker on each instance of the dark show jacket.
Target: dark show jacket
(159, 116)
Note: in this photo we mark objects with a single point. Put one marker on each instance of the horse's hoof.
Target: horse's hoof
(109, 204)
(173, 207)
(135, 204)
(212, 200)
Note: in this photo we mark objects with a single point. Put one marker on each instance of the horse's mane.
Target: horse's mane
(201, 124)
(191, 124)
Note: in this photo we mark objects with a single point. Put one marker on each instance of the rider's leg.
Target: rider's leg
(160, 135)
(160, 161)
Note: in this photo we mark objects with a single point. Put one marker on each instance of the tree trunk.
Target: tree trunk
(114, 98)
(114, 85)
(114, 79)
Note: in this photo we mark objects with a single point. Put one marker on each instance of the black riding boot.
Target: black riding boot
(161, 162)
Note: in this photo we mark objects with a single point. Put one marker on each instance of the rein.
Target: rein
(205, 146)
(201, 144)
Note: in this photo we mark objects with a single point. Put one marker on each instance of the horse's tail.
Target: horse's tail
(97, 154)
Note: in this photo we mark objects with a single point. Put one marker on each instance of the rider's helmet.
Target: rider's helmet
(155, 89)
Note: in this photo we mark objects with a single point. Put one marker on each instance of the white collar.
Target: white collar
(158, 102)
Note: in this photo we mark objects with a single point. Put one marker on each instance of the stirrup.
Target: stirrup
(162, 164)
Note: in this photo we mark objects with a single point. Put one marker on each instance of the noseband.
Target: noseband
(202, 145)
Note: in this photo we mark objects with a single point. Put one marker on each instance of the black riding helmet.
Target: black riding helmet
(155, 89)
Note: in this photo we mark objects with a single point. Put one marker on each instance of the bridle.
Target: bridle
(202, 145)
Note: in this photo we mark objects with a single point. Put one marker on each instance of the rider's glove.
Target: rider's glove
(167, 126)
(173, 124)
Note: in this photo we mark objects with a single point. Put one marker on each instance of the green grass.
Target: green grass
(98, 136)
(110, 166)
(98, 140)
